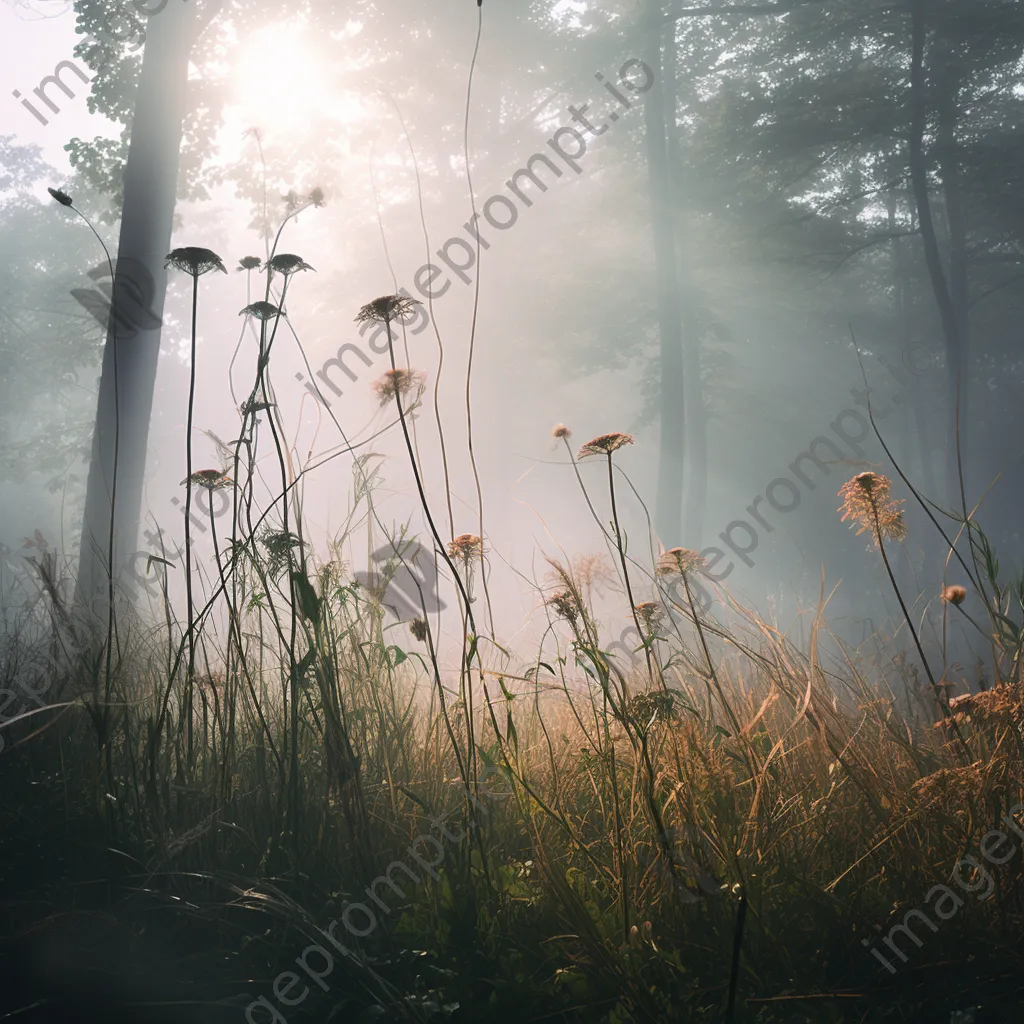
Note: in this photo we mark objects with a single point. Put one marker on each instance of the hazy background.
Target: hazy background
(772, 260)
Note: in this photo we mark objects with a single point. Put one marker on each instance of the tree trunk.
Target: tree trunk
(933, 260)
(695, 447)
(122, 427)
(668, 507)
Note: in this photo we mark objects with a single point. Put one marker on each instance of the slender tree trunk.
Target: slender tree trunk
(669, 502)
(695, 448)
(929, 239)
(150, 186)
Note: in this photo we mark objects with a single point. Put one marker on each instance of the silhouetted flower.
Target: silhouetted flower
(955, 595)
(418, 628)
(387, 308)
(214, 479)
(605, 444)
(866, 501)
(248, 263)
(62, 197)
(195, 260)
(564, 603)
(287, 263)
(466, 546)
(261, 310)
(397, 382)
(316, 197)
(649, 612)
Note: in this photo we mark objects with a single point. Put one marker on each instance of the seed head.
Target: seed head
(387, 308)
(867, 503)
(677, 561)
(560, 430)
(397, 382)
(564, 603)
(287, 263)
(212, 479)
(248, 263)
(418, 628)
(261, 310)
(62, 197)
(605, 444)
(649, 612)
(466, 546)
(954, 595)
(195, 260)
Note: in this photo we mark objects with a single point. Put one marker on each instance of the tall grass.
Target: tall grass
(720, 835)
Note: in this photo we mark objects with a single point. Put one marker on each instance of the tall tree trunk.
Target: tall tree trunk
(150, 187)
(929, 239)
(669, 501)
(695, 447)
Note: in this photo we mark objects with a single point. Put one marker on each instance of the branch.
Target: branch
(740, 10)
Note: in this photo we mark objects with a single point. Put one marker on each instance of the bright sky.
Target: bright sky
(33, 41)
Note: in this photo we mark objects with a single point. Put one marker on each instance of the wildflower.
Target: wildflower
(564, 604)
(287, 263)
(316, 197)
(214, 479)
(866, 501)
(418, 628)
(397, 382)
(605, 444)
(677, 561)
(194, 260)
(261, 310)
(279, 544)
(386, 308)
(62, 197)
(955, 595)
(249, 263)
(560, 430)
(466, 546)
(649, 612)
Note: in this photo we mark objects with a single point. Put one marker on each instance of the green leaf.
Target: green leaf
(309, 603)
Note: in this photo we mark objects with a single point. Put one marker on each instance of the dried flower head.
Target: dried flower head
(560, 430)
(564, 603)
(287, 263)
(62, 197)
(954, 595)
(387, 308)
(605, 444)
(649, 612)
(279, 545)
(248, 263)
(213, 479)
(397, 382)
(466, 546)
(195, 260)
(418, 628)
(677, 561)
(866, 501)
(261, 310)
(316, 197)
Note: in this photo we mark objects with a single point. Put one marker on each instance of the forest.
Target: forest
(511, 511)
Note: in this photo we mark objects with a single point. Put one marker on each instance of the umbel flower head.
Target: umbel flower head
(866, 502)
(397, 382)
(387, 308)
(605, 444)
(677, 561)
(62, 197)
(213, 479)
(418, 628)
(287, 263)
(564, 604)
(954, 595)
(248, 263)
(194, 260)
(649, 612)
(261, 310)
(466, 546)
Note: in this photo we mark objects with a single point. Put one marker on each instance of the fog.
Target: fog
(518, 193)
